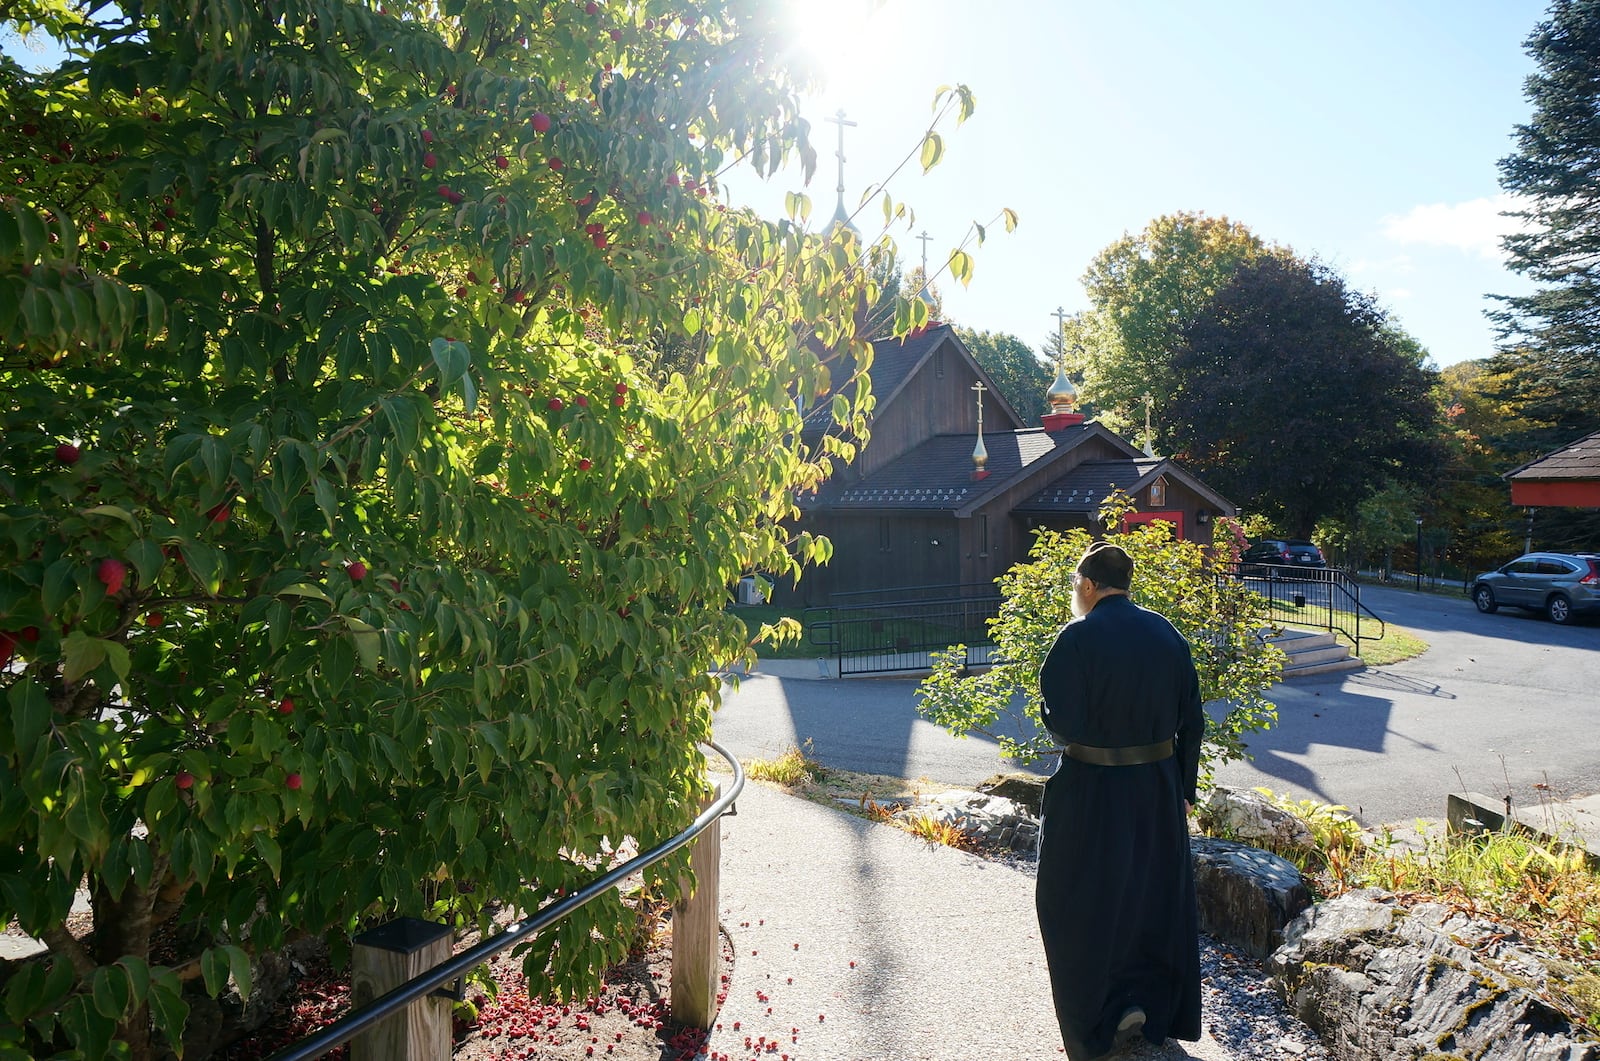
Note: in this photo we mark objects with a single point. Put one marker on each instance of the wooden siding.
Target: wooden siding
(929, 405)
(894, 550)
(1569, 493)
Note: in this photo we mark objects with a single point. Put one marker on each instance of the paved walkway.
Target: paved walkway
(854, 941)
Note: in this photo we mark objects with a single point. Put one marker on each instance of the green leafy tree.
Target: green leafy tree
(1217, 614)
(1300, 398)
(1552, 349)
(1016, 370)
(1143, 289)
(360, 552)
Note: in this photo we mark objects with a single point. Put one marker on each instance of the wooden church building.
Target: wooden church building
(952, 484)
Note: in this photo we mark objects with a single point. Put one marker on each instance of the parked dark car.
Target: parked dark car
(1280, 557)
(1562, 585)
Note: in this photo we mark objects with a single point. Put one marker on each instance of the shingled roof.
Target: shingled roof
(1086, 487)
(892, 363)
(937, 475)
(1581, 460)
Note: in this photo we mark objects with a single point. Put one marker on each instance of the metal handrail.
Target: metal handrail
(1332, 581)
(387, 1004)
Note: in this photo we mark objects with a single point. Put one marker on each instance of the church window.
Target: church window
(1158, 492)
(884, 538)
(983, 535)
(938, 363)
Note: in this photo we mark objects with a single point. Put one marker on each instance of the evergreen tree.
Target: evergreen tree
(1552, 336)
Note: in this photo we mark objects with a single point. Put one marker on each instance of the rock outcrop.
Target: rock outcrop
(1247, 896)
(1379, 982)
(988, 818)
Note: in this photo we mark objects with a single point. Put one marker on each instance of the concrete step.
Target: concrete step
(1292, 641)
(1314, 653)
(1304, 670)
(1326, 654)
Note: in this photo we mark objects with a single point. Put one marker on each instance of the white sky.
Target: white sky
(1363, 133)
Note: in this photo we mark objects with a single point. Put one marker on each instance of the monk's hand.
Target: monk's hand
(1188, 808)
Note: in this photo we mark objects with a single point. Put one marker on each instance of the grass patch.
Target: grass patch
(874, 797)
(778, 633)
(932, 831)
(794, 767)
(1396, 644)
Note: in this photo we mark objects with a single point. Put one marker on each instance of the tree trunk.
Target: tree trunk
(123, 926)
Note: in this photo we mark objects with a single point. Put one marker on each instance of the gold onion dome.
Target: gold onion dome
(1062, 395)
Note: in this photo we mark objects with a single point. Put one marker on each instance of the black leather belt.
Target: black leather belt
(1134, 755)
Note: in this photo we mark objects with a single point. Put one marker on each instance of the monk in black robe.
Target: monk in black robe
(1115, 894)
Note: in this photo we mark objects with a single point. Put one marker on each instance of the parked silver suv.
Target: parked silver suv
(1562, 585)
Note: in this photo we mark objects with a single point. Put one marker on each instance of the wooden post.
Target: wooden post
(696, 948)
(384, 958)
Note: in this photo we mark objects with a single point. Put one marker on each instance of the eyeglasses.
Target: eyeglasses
(1077, 578)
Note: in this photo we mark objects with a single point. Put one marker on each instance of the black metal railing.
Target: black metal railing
(889, 636)
(1321, 597)
(391, 1002)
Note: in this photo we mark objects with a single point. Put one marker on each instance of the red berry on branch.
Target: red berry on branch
(585, 464)
(502, 161)
(556, 163)
(67, 453)
(286, 706)
(292, 782)
(184, 779)
(430, 160)
(540, 122)
(112, 573)
(555, 405)
(427, 136)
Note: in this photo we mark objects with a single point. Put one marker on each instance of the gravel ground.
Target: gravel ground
(1240, 1010)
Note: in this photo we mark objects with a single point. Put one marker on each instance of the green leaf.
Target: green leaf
(168, 1010)
(115, 512)
(109, 988)
(147, 559)
(239, 966)
(451, 358)
(30, 713)
(932, 150)
(214, 970)
(488, 459)
(306, 589)
(366, 640)
(137, 970)
(59, 582)
(81, 655)
(961, 266)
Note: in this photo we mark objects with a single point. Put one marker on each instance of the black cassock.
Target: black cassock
(1116, 885)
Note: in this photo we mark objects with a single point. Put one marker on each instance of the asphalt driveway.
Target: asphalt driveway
(1500, 704)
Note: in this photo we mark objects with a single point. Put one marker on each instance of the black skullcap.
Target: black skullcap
(1107, 565)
